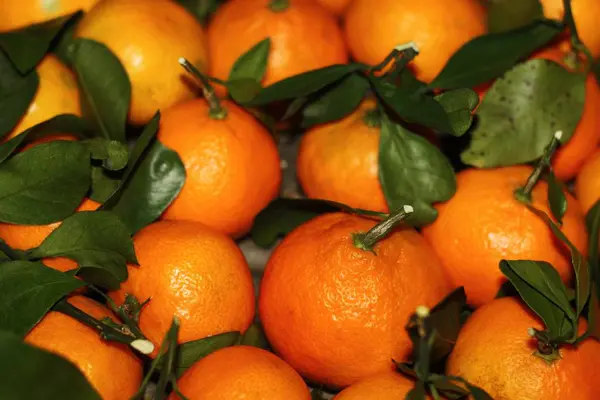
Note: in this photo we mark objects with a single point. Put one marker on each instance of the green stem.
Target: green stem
(575, 39)
(523, 194)
(153, 367)
(216, 110)
(366, 241)
(401, 56)
(6, 249)
(279, 5)
(124, 312)
(178, 392)
(434, 392)
(167, 375)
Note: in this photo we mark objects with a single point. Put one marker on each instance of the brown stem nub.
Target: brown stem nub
(546, 350)
(279, 5)
(366, 241)
(216, 110)
(523, 194)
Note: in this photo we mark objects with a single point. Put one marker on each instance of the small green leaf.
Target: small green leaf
(506, 15)
(522, 111)
(105, 87)
(556, 197)
(459, 104)
(95, 239)
(27, 291)
(113, 154)
(192, 352)
(27, 46)
(243, 90)
(63, 124)
(539, 285)
(336, 102)
(489, 56)
(44, 184)
(201, 9)
(305, 83)
(17, 93)
(283, 215)
(255, 336)
(253, 63)
(27, 372)
(445, 319)
(413, 171)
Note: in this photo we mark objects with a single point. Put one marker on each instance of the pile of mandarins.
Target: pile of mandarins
(333, 308)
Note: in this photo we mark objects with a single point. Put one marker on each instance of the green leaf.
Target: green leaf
(336, 102)
(243, 90)
(105, 87)
(27, 291)
(459, 104)
(201, 9)
(16, 91)
(95, 239)
(45, 183)
(282, 215)
(489, 56)
(476, 392)
(63, 124)
(592, 221)
(104, 184)
(418, 392)
(305, 83)
(113, 154)
(556, 197)
(445, 319)
(253, 63)
(27, 372)
(506, 15)
(255, 336)
(63, 44)
(413, 171)
(540, 286)
(447, 388)
(192, 352)
(522, 111)
(27, 46)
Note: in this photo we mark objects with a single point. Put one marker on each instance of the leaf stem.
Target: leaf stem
(216, 110)
(523, 194)
(434, 392)
(575, 39)
(366, 241)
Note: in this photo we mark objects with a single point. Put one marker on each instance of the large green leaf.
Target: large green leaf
(27, 46)
(337, 101)
(105, 87)
(305, 83)
(45, 183)
(540, 286)
(522, 111)
(253, 63)
(506, 15)
(27, 372)
(95, 239)
(192, 352)
(413, 171)
(63, 124)
(445, 319)
(27, 291)
(16, 93)
(489, 56)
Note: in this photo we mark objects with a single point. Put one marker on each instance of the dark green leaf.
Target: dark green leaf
(27, 372)
(62, 46)
(27, 291)
(254, 336)
(283, 215)
(45, 183)
(104, 184)
(447, 388)
(61, 124)
(192, 352)
(477, 393)
(506, 15)
(413, 171)
(16, 93)
(539, 285)
(489, 56)
(27, 46)
(95, 239)
(445, 319)
(418, 392)
(105, 87)
(459, 104)
(337, 101)
(522, 111)
(243, 90)
(113, 154)
(201, 9)
(305, 83)
(556, 197)
(592, 220)
(252, 64)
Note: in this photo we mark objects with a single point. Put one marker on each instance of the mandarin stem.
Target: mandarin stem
(216, 110)
(366, 241)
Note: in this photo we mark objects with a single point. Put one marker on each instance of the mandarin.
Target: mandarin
(384, 386)
(21, 13)
(495, 352)
(57, 94)
(484, 223)
(193, 272)
(149, 37)
(242, 372)
(232, 165)
(337, 313)
(112, 369)
(587, 184)
(238, 25)
(438, 28)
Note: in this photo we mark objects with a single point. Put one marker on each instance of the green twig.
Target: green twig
(216, 110)
(366, 241)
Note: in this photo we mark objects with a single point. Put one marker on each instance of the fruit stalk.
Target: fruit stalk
(366, 241)
(401, 55)
(216, 110)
